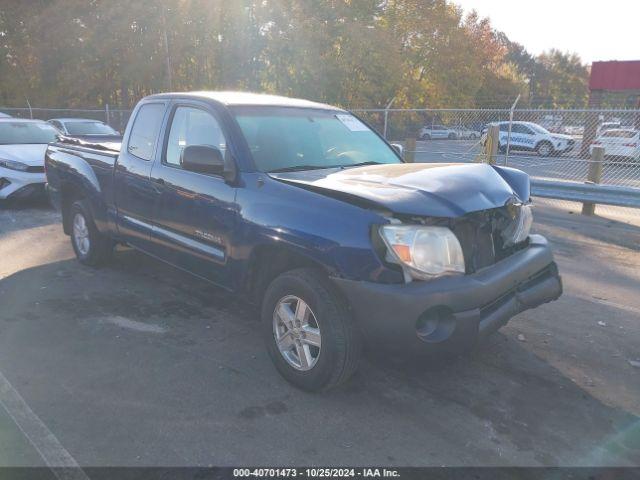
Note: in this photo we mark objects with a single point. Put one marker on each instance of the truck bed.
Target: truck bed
(74, 165)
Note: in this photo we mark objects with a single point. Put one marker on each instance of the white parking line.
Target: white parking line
(55, 456)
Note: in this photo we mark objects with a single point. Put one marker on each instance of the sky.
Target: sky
(595, 30)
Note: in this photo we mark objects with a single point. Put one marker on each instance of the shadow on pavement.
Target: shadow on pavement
(500, 405)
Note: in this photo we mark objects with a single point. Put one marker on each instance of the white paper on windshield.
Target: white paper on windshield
(352, 123)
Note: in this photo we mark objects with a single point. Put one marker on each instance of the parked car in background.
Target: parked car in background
(607, 126)
(22, 147)
(573, 130)
(311, 214)
(437, 131)
(465, 133)
(619, 143)
(4, 115)
(86, 129)
(529, 136)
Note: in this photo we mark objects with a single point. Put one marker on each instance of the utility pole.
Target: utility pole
(166, 49)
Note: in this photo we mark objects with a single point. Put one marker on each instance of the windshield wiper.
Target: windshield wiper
(295, 168)
(362, 164)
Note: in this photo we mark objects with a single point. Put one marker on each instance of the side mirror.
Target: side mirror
(202, 159)
(398, 148)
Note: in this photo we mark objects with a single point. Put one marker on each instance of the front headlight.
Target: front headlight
(12, 165)
(518, 228)
(423, 252)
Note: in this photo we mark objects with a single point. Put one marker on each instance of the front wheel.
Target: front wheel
(309, 332)
(425, 136)
(544, 149)
(91, 247)
(452, 136)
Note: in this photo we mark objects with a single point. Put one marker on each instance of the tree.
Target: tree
(355, 53)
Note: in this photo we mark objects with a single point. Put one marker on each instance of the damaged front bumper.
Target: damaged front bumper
(452, 313)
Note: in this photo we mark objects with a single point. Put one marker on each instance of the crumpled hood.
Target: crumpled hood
(29, 154)
(437, 190)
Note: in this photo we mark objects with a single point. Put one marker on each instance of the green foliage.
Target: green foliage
(356, 53)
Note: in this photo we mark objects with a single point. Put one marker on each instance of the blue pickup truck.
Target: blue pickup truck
(308, 212)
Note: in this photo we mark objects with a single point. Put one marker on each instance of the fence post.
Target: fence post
(491, 145)
(594, 176)
(513, 107)
(106, 114)
(410, 150)
(386, 117)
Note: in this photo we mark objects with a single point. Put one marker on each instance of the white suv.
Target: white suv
(529, 136)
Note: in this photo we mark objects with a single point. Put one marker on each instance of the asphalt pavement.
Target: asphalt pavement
(138, 364)
(567, 166)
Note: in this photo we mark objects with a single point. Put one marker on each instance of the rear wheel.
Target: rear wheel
(452, 136)
(309, 332)
(425, 136)
(544, 149)
(91, 247)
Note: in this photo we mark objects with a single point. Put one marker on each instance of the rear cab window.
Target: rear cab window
(145, 130)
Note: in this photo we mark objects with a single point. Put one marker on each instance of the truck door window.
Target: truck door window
(144, 133)
(192, 126)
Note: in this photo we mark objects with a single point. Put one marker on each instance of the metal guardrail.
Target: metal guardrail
(586, 192)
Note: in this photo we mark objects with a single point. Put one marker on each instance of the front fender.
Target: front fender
(331, 233)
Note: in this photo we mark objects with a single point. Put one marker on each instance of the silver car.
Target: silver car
(437, 131)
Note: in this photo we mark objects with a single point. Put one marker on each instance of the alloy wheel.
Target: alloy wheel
(297, 333)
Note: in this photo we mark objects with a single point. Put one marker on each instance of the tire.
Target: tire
(452, 136)
(91, 247)
(473, 136)
(340, 344)
(425, 136)
(544, 149)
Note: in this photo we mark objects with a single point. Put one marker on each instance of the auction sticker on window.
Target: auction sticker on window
(352, 123)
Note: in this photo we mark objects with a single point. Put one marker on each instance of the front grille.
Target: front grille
(480, 237)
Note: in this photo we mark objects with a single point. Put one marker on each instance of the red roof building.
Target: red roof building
(615, 76)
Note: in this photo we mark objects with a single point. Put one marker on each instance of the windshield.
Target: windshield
(12, 133)
(291, 138)
(89, 128)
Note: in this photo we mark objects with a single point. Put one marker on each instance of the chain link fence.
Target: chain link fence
(547, 144)
(117, 118)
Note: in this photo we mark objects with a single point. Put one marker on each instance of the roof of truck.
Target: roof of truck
(247, 98)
